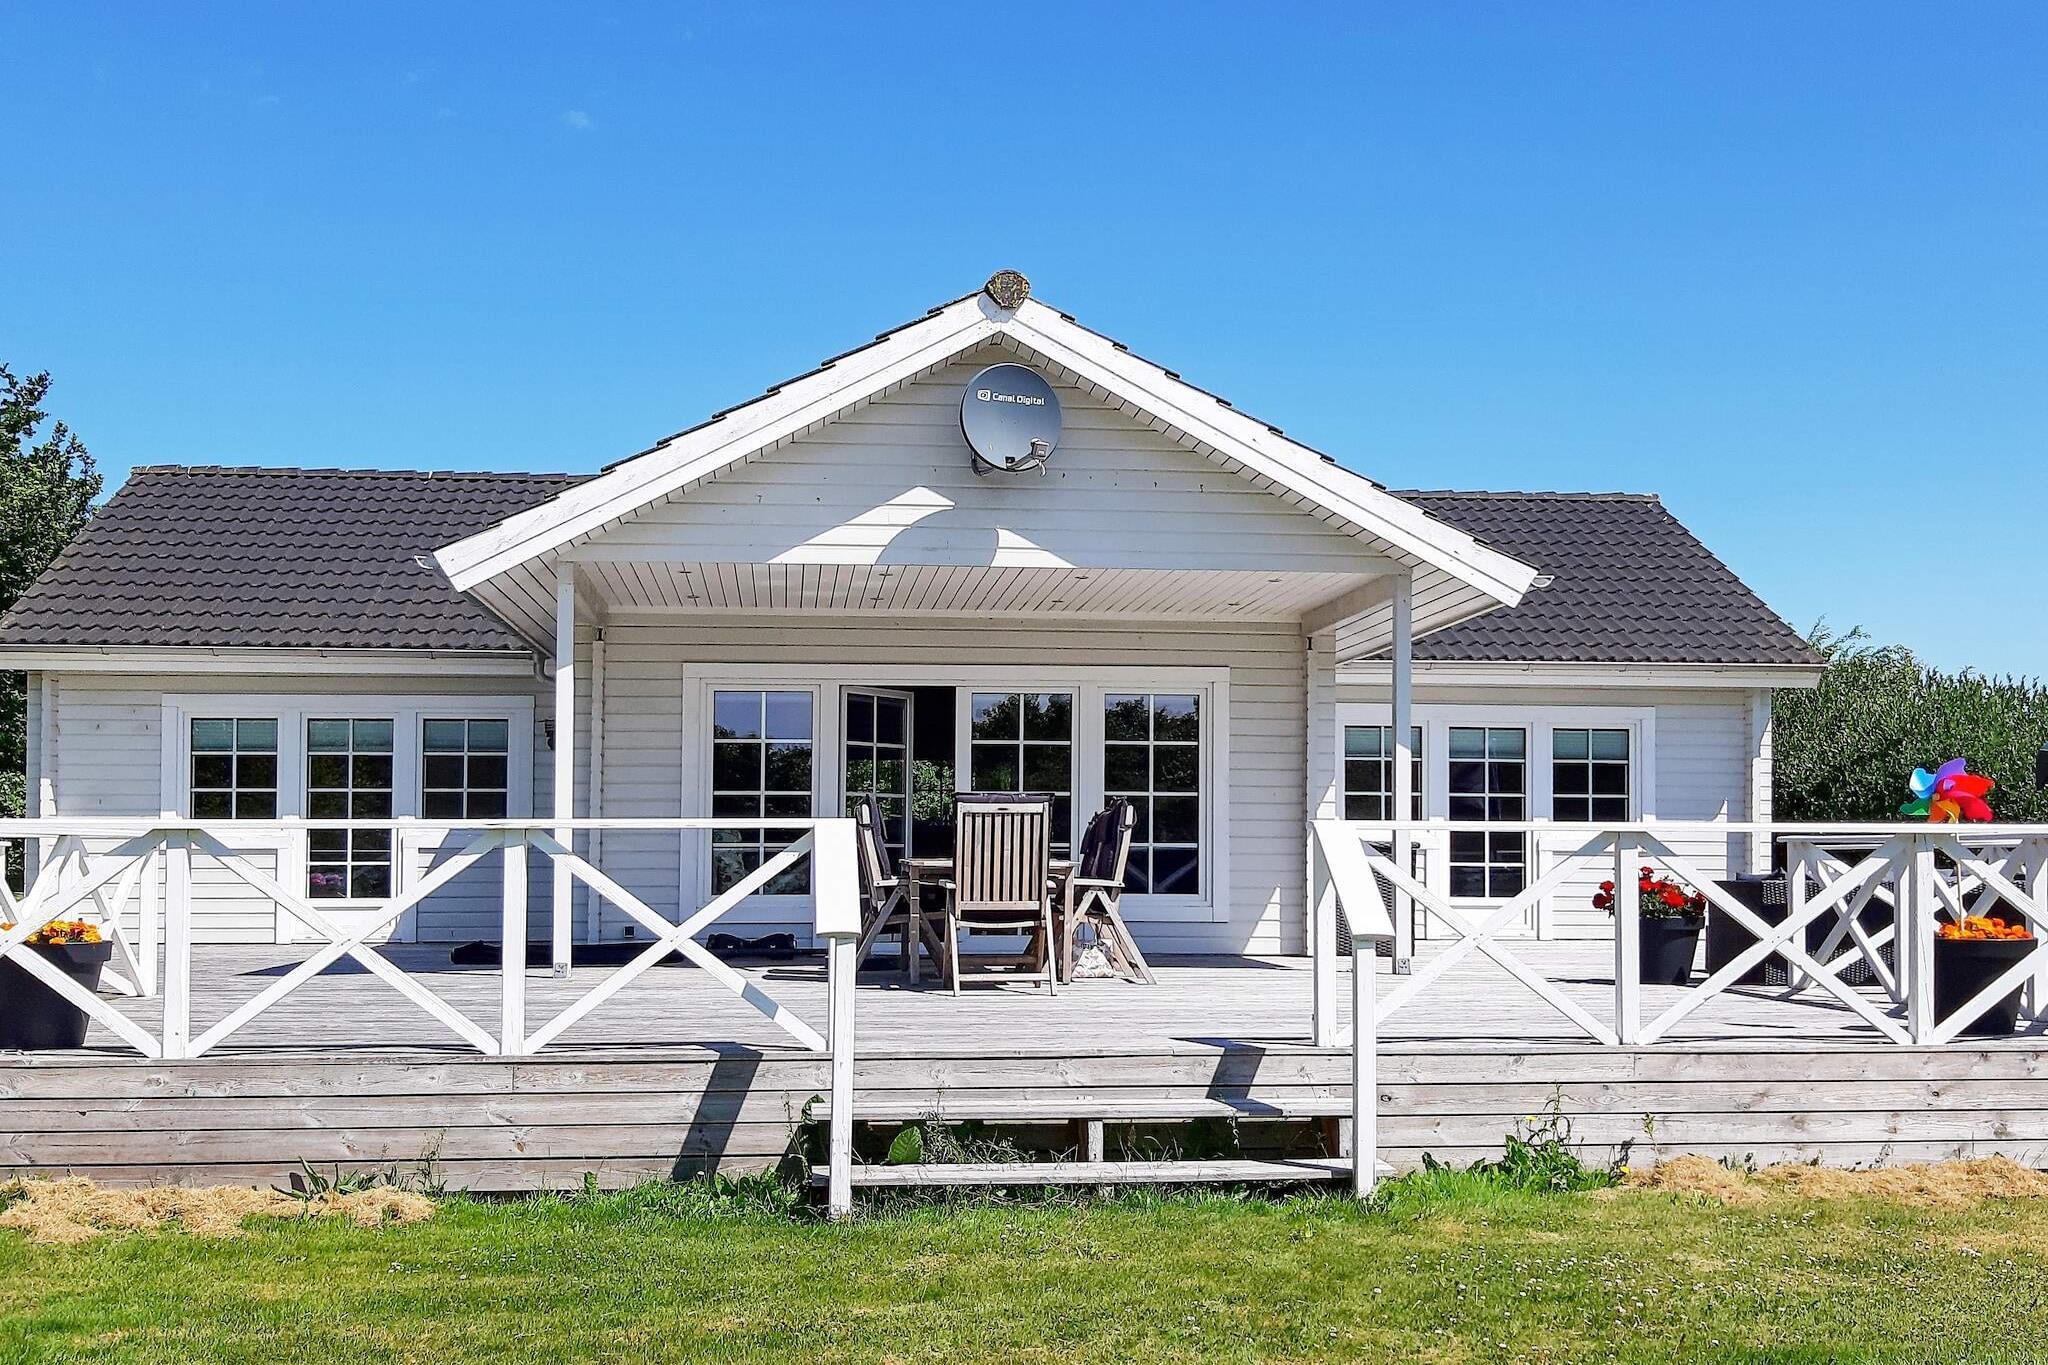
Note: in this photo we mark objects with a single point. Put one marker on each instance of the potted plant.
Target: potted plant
(31, 1014)
(1669, 917)
(1970, 956)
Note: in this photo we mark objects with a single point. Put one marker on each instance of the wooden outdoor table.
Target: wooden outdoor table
(919, 873)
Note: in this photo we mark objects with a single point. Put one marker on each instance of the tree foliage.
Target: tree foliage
(1846, 748)
(47, 487)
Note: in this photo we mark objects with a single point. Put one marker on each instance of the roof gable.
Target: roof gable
(887, 484)
(1354, 506)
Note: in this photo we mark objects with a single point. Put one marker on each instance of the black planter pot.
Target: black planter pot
(34, 1016)
(1665, 949)
(1765, 897)
(1727, 939)
(1964, 966)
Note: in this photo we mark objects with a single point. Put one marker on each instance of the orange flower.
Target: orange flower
(1984, 927)
(59, 932)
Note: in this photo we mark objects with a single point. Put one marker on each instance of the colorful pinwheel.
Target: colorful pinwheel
(1949, 795)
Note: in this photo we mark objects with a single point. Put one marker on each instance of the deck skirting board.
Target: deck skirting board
(516, 1124)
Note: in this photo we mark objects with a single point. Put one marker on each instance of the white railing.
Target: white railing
(92, 869)
(1922, 875)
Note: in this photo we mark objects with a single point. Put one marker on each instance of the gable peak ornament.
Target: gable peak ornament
(1009, 289)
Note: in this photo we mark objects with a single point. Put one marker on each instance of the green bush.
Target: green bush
(1846, 748)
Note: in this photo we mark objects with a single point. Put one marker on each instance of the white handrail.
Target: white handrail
(1928, 874)
(98, 863)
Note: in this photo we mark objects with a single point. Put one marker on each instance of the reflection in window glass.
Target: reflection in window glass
(1489, 770)
(1589, 776)
(348, 777)
(1152, 757)
(234, 769)
(465, 769)
(761, 768)
(1369, 772)
(1024, 742)
(878, 763)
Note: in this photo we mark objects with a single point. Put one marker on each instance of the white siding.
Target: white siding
(648, 758)
(107, 754)
(1116, 494)
(1700, 768)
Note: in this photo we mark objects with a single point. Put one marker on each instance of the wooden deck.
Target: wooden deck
(675, 1074)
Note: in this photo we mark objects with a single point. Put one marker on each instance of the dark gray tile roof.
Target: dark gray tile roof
(1629, 584)
(293, 558)
(333, 559)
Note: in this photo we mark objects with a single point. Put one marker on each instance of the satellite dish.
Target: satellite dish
(1011, 419)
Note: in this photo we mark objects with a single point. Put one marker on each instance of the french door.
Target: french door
(877, 733)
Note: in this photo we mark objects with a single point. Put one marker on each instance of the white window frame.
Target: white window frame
(292, 711)
(1089, 684)
(1437, 719)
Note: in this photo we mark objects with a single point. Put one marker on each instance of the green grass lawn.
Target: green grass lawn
(1462, 1272)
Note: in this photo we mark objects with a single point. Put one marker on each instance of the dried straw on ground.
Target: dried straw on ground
(1947, 1184)
(74, 1210)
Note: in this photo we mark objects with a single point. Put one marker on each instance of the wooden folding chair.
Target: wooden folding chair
(1002, 855)
(1095, 891)
(884, 897)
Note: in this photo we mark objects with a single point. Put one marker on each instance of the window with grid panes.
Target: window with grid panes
(762, 759)
(234, 769)
(1024, 742)
(465, 769)
(1488, 780)
(348, 777)
(1589, 775)
(1152, 757)
(1369, 772)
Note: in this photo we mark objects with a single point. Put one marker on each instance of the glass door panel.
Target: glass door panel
(877, 743)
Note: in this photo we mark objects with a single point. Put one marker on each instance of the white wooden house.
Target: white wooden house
(819, 590)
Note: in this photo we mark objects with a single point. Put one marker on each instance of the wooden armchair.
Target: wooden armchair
(1002, 853)
(1095, 891)
(884, 897)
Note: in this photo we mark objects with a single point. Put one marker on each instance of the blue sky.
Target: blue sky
(1782, 264)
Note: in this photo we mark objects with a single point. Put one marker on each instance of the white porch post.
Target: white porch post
(565, 756)
(1404, 761)
(1320, 735)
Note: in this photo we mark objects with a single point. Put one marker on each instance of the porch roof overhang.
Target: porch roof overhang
(513, 567)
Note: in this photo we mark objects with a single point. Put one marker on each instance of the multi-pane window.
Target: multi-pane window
(878, 762)
(234, 769)
(1024, 742)
(1589, 777)
(1369, 772)
(348, 777)
(465, 769)
(1489, 780)
(761, 766)
(1152, 757)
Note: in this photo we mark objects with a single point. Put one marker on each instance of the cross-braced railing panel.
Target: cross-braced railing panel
(71, 879)
(342, 943)
(1480, 935)
(76, 879)
(1876, 909)
(672, 937)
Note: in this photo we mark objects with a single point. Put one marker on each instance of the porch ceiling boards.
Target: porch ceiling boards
(1014, 590)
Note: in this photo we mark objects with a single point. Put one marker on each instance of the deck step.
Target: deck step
(999, 1108)
(1309, 1170)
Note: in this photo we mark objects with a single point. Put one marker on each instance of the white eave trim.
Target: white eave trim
(900, 356)
(473, 663)
(1538, 674)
